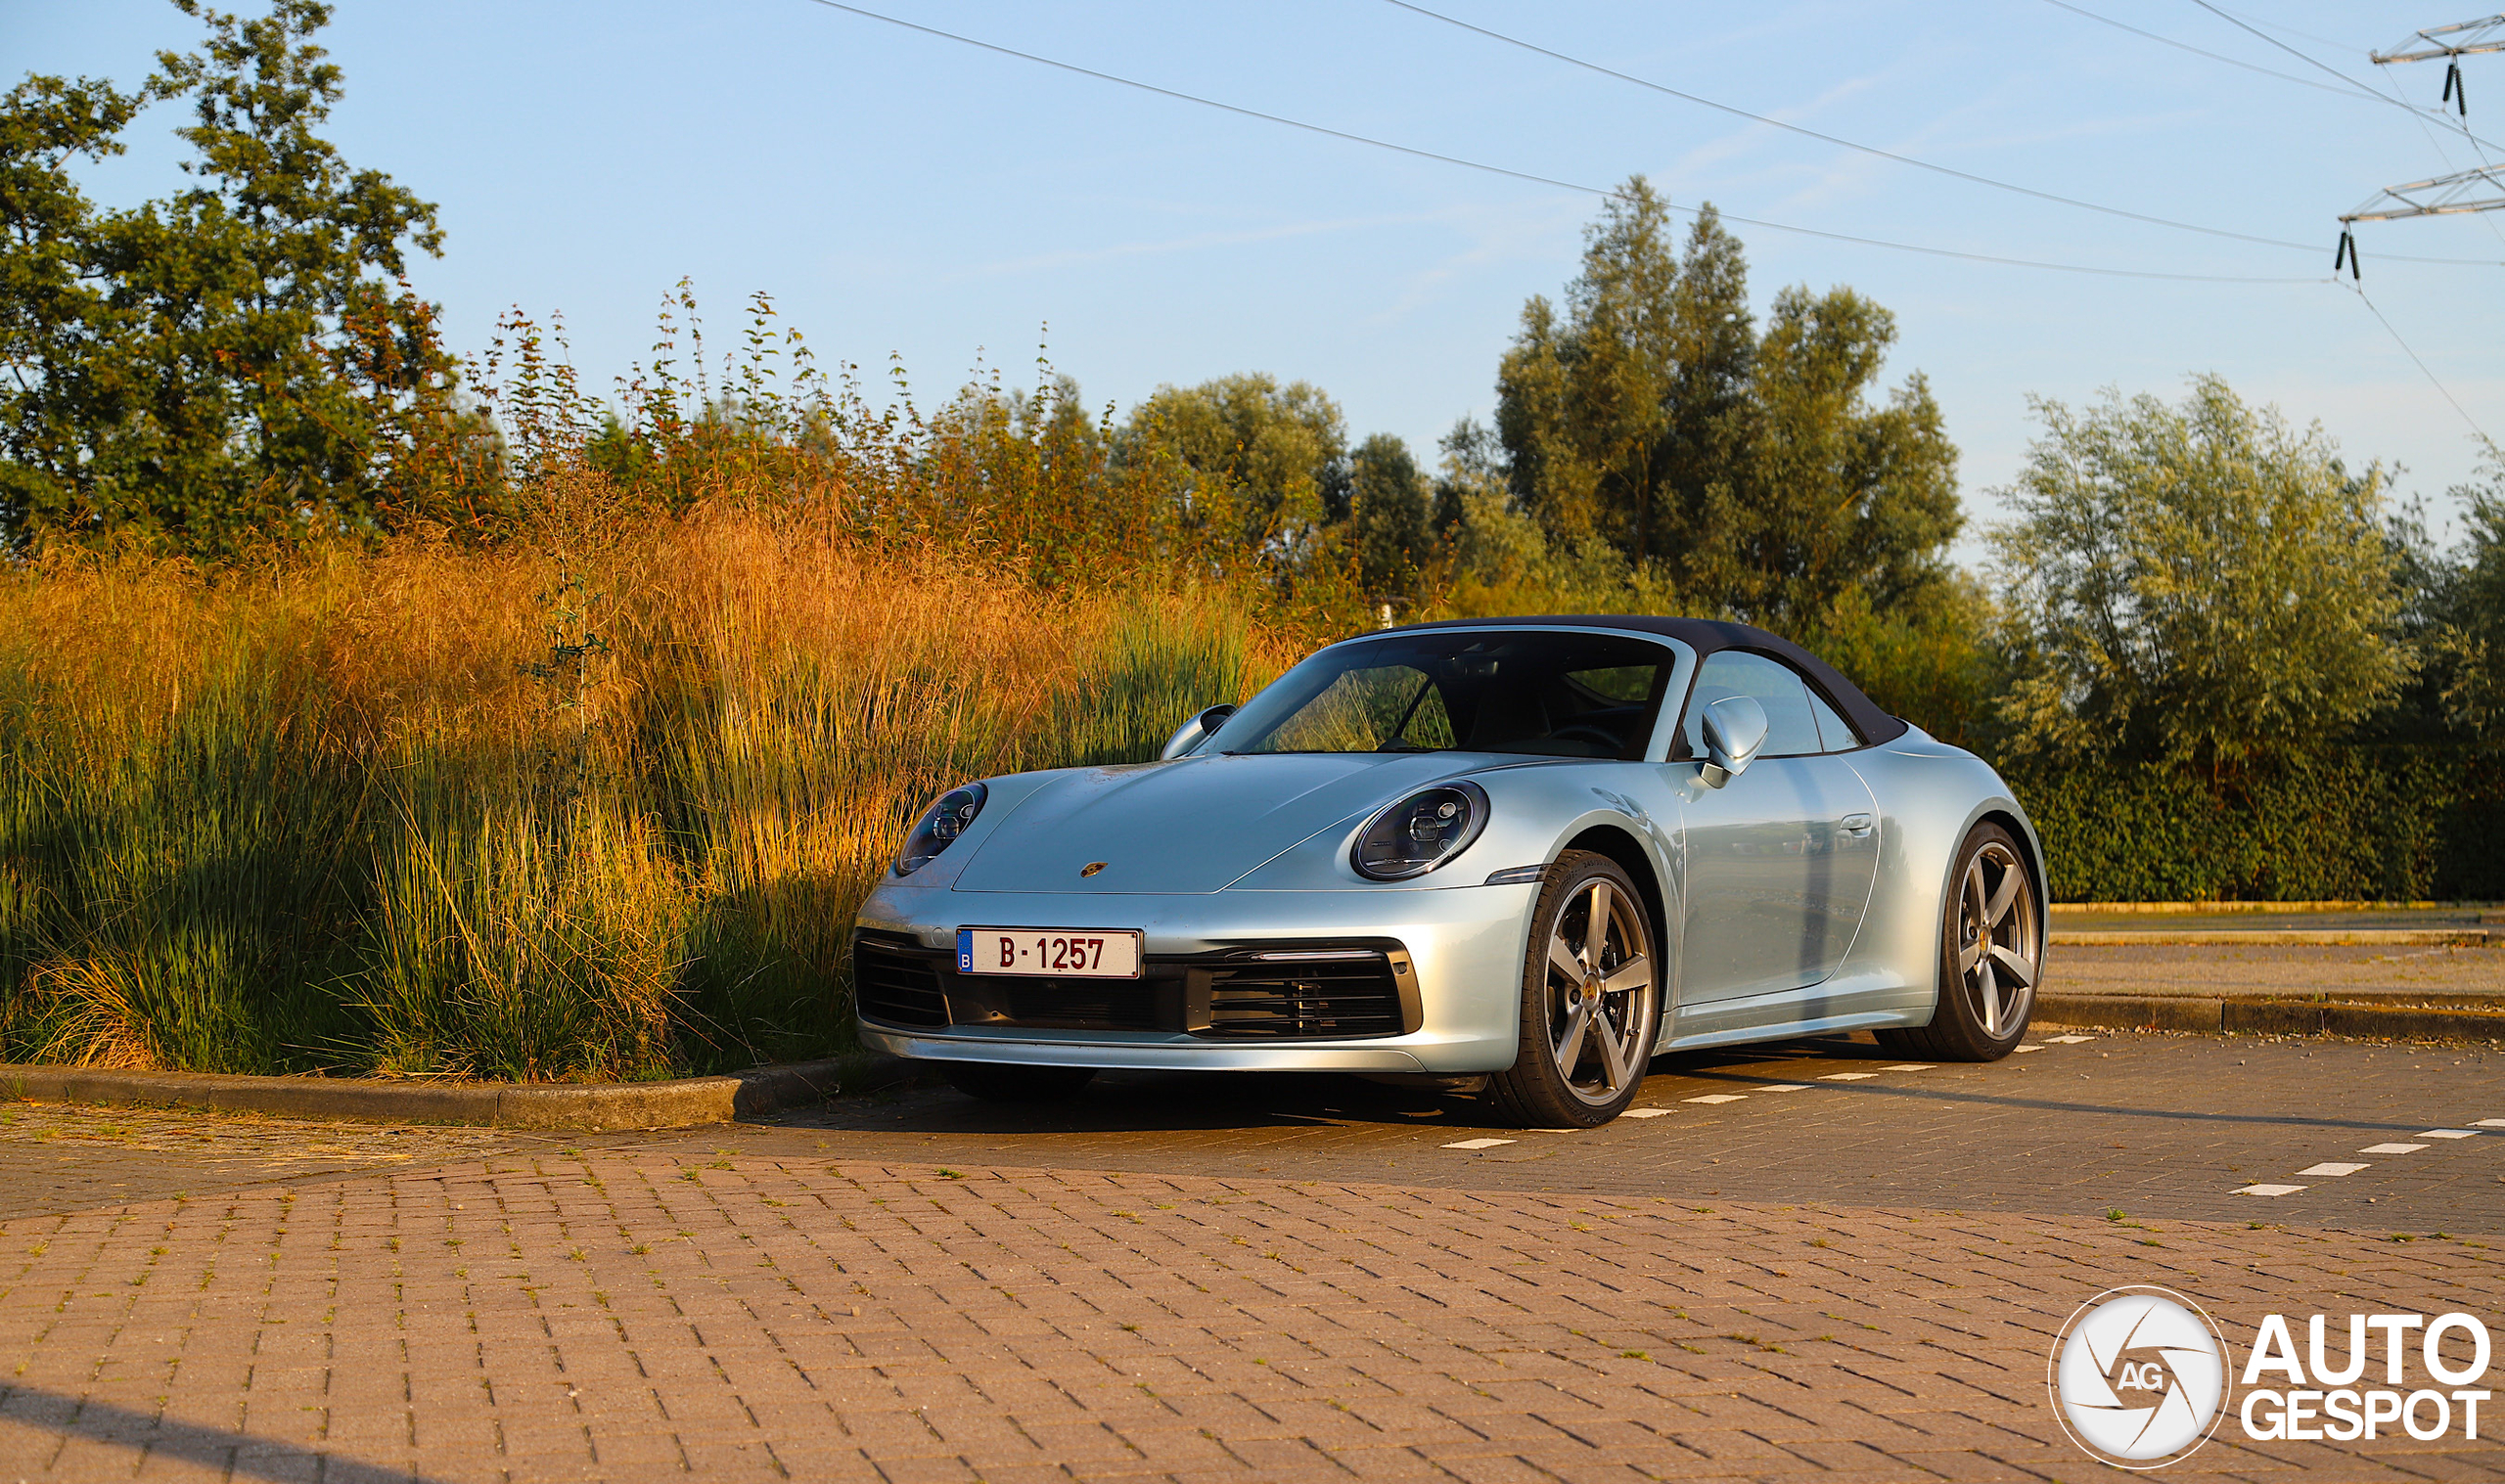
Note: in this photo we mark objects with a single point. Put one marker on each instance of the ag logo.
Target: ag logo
(2139, 1378)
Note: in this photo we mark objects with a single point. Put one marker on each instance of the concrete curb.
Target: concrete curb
(581, 1108)
(2279, 1017)
(2216, 909)
(2090, 937)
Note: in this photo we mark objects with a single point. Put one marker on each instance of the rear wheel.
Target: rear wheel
(1591, 1000)
(1991, 953)
(1000, 1082)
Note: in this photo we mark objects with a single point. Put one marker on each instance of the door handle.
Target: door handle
(1857, 824)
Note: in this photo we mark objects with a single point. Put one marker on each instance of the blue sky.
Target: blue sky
(904, 194)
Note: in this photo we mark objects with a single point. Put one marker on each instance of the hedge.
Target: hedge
(2342, 824)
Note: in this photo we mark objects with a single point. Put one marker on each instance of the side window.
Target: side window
(1792, 728)
(1833, 730)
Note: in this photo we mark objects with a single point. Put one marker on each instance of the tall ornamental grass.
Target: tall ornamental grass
(555, 809)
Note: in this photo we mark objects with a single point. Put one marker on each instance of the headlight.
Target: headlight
(1420, 832)
(941, 827)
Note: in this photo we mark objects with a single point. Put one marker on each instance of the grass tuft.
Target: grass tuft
(573, 810)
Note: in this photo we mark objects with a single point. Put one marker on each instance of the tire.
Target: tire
(1991, 954)
(1003, 1082)
(1585, 1045)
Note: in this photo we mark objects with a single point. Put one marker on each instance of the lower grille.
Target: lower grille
(1079, 1003)
(1324, 991)
(897, 983)
(1309, 1000)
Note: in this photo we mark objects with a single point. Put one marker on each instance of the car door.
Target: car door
(1779, 860)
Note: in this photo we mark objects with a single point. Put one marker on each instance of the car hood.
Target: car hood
(1190, 826)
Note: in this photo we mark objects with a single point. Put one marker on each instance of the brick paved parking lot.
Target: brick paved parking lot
(1275, 1278)
(2163, 1125)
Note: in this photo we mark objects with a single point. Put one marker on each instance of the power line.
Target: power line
(2432, 380)
(2355, 90)
(1903, 160)
(1544, 180)
(2280, 25)
(2248, 28)
(2448, 192)
(2231, 19)
(2185, 46)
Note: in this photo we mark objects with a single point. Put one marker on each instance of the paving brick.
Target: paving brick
(1065, 1320)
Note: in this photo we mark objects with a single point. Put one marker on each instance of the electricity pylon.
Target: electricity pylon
(2453, 42)
(2480, 189)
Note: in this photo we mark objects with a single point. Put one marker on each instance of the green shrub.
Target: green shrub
(2334, 824)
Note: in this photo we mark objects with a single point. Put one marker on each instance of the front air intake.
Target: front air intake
(897, 982)
(1309, 1000)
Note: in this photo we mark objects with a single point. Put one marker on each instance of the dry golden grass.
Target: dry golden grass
(573, 808)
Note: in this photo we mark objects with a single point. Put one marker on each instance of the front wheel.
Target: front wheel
(1991, 953)
(1591, 1000)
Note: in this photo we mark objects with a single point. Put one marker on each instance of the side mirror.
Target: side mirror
(1199, 728)
(1734, 730)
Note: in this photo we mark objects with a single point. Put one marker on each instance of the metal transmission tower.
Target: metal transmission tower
(2480, 189)
(2452, 43)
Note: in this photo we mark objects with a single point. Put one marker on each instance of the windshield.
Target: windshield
(1550, 693)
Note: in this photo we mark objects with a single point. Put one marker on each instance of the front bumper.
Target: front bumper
(1464, 946)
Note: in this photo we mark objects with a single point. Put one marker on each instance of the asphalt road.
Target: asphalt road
(2150, 1125)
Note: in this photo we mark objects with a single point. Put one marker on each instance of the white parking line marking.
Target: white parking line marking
(1847, 1076)
(2448, 1133)
(1718, 1098)
(2025, 1049)
(2081, 1041)
(2391, 1148)
(1477, 1143)
(1646, 1112)
(1785, 1087)
(1911, 1066)
(1558, 1131)
(2489, 1123)
(2269, 1190)
(2333, 1168)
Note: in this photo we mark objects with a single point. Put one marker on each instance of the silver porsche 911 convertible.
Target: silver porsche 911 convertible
(1523, 853)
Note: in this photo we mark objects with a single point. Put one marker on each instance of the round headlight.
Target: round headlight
(939, 828)
(1420, 832)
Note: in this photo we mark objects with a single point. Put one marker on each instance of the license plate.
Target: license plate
(1052, 953)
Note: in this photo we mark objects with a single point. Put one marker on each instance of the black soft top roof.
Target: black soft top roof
(1705, 636)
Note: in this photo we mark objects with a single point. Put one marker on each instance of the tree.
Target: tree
(1837, 497)
(2201, 582)
(1618, 422)
(1748, 472)
(1387, 518)
(2470, 639)
(1271, 457)
(241, 358)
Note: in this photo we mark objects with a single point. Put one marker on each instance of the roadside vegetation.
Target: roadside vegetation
(369, 710)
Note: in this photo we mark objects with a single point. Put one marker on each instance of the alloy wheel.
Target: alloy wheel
(1999, 954)
(1601, 995)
